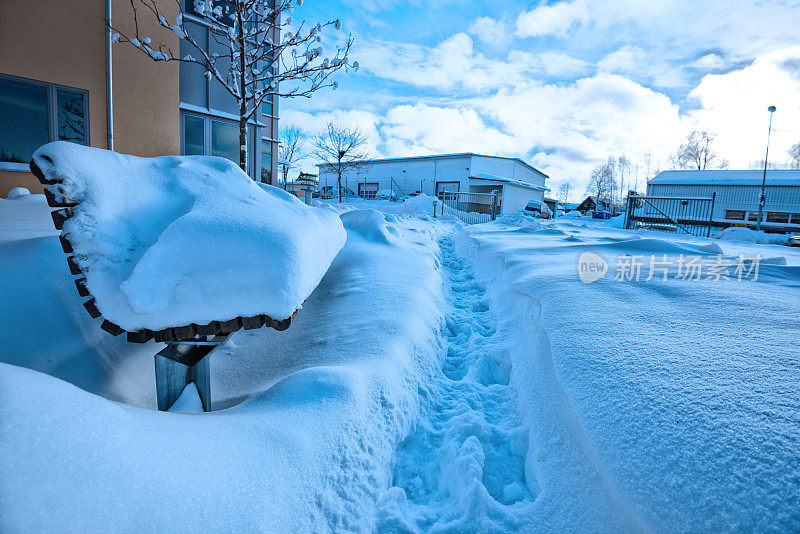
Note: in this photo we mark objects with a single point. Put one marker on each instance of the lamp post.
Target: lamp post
(762, 200)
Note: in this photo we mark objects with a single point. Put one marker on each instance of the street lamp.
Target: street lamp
(763, 198)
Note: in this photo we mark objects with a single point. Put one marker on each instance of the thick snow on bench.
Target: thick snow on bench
(171, 241)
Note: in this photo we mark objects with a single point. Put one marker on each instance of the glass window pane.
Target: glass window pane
(221, 99)
(266, 162)
(193, 85)
(192, 135)
(266, 107)
(225, 140)
(23, 120)
(71, 114)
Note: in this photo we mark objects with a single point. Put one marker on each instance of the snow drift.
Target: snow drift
(171, 241)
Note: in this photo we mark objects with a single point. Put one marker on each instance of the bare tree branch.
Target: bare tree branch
(257, 65)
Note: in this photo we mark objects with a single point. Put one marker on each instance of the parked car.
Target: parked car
(329, 191)
(601, 214)
(538, 209)
(386, 194)
(410, 195)
(793, 241)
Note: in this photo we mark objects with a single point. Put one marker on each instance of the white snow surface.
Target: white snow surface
(171, 241)
(681, 396)
(440, 378)
(306, 421)
(751, 236)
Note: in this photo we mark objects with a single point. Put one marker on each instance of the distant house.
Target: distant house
(515, 181)
(736, 195)
(590, 204)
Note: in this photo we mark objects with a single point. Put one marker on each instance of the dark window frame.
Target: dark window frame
(253, 139)
(52, 114)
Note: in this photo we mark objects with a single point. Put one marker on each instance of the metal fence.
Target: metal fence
(472, 208)
(689, 215)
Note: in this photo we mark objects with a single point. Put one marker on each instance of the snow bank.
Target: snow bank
(674, 400)
(750, 236)
(421, 204)
(306, 421)
(177, 240)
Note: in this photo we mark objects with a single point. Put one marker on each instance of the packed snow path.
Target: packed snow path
(463, 466)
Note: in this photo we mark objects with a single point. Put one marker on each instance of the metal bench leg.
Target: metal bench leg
(180, 364)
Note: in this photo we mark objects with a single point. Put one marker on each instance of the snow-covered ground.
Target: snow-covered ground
(440, 378)
(687, 392)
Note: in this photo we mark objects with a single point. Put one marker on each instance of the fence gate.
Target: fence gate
(472, 208)
(689, 215)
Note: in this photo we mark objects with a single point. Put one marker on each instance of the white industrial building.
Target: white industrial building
(736, 195)
(515, 181)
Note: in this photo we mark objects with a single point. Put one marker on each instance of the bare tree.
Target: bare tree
(794, 153)
(697, 152)
(602, 184)
(291, 148)
(342, 149)
(255, 63)
(564, 191)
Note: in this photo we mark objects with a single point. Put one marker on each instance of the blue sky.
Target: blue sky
(563, 85)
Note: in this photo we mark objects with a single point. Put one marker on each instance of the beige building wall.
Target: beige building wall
(63, 42)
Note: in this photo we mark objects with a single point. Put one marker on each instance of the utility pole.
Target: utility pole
(763, 198)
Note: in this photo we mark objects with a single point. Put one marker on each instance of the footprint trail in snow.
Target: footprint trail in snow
(463, 466)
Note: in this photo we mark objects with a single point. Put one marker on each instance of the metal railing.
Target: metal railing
(688, 215)
(472, 208)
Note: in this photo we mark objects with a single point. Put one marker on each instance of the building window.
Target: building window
(35, 113)
(367, 190)
(225, 140)
(266, 161)
(752, 216)
(778, 217)
(795, 218)
(212, 136)
(193, 136)
(734, 215)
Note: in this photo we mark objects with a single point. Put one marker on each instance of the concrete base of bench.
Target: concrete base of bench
(180, 364)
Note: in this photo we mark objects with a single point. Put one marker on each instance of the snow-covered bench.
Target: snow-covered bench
(185, 250)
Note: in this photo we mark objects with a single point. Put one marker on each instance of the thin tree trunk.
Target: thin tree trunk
(243, 96)
(339, 179)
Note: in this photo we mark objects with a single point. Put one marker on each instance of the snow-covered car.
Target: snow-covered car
(329, 192)
(601, 214)
(386, 194)
(793, 241)
(538, 209)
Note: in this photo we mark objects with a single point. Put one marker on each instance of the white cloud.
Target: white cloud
(712, 61)
(490, 31)
(554, 19)
(450, 64)
(424, 129)
(550, 64)
(734, 105)
(626, 60)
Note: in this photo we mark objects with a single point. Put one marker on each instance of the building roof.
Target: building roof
(726, 177)
(504, 180)
(441, 156)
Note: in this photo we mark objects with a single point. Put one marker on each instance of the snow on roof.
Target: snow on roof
(726, 177)
(442, 156)
(171, 241)
(503, 179)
